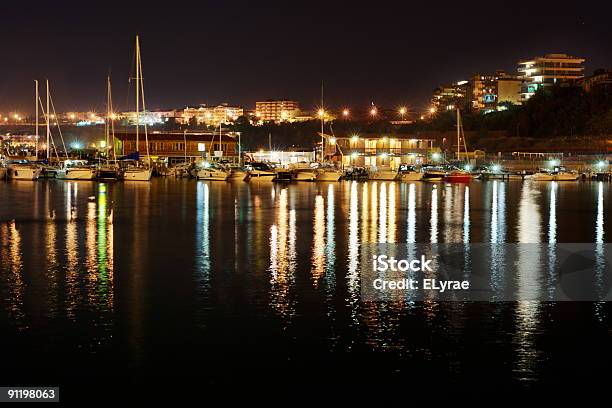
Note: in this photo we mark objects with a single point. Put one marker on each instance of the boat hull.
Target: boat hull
(137, 175)
(458, 178)
(23, 173)
(329, 176)
(411, 176)
(567, 177)
(543, 177)
(212, 175)
(304, 175)
(383, 175)
(258, 175)
(76, 174)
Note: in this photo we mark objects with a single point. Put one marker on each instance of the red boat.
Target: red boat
(458, 176)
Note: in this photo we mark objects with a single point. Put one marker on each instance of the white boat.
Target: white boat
(137, 174)
(23, 171)
(543, 176)
(328, 174)
(206, 171)
(302, 172)
(382, 173)
(409, 173)
(566, 176)
(75, 170)
(259, 172)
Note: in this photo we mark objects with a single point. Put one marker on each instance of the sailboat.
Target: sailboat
(458, 175)
(325, 171)
(109, 170)
(212, 171)
(139, 172)
(25, 171)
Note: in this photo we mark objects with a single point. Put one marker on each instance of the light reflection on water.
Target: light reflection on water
(294, 253)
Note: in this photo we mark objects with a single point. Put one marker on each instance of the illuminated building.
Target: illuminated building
(213, 115)
(368, 150)
(489, 91)
(174, 147)
(450, 96)
(277, 111)
(548, 70)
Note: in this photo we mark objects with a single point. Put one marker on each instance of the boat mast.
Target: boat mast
(458, 135)
(144, 107)
(48, 125)
(137, 91)
(36, 103)
(322, 124)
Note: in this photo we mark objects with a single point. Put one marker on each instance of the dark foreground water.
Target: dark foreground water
(180, 289)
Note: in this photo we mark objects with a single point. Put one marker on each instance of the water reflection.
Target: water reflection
(283, 258)
(11, 254)
(527, 312)
(434, 216)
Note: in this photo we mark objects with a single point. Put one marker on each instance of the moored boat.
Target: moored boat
(207, 171)
(409, 173)
(260, 172)
(75, 170)
(458, 176)
(382, 173)
(23, 171)
(137, 174)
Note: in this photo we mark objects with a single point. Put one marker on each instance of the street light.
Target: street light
(321, 113)
(435, 156)
(432, 110)
(346, 112)
(402, 111)
(373, 111)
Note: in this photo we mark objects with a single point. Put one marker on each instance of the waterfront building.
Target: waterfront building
(450, 96)
(548, 70)
(281, 157)
(213, 115)
(490, 91)
(376, 150)
(176, 147)
(277, 110)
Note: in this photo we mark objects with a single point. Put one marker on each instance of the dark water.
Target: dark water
(178, 285)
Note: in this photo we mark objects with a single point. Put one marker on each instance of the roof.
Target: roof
(402, 136)
(192, 137)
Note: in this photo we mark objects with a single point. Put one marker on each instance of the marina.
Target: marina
(111, 271)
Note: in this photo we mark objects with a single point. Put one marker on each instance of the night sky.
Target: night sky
(388, 53)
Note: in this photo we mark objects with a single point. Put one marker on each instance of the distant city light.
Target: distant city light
(76, 145)
(102, 144)
(332, 140)
(601, 164)
(435, 156)
(402, 110)
(355, 138)
(321, 113)
(354, 155)
(432, 110)
(496, 168)
(346, 112)
(373, 111)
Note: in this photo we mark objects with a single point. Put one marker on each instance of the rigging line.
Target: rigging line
(144, 108)
(47, 122)
(58, 126)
